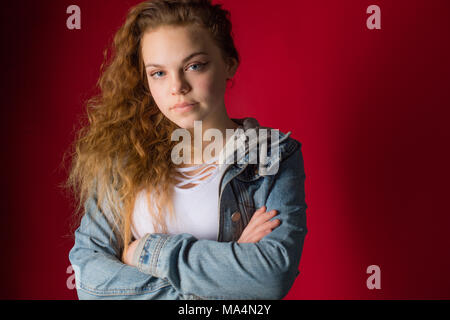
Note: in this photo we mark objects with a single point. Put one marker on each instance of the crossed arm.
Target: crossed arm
(258, 227)
(183, 267)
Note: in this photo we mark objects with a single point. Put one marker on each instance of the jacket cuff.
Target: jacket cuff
(147, 252)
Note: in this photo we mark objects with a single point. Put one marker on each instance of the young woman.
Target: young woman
(154, 229)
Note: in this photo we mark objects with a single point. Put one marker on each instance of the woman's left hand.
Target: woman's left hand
(128, 255)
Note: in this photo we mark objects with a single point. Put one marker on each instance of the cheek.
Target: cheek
(211, 88)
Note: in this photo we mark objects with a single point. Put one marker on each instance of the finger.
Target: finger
(260, 217)
(261, 210)
(267, 226)
(273, 212)
(275, 223)
(271, 225)
(261, 231)
(269, 215)
(258, 214)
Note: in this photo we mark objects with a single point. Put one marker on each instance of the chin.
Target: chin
(186, 122)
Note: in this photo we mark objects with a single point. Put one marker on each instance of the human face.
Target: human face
(184, 65)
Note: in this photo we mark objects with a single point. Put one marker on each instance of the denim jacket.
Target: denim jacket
(181, 267)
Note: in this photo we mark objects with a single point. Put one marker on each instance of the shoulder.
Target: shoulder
(280, 145)
(285, 143)
(283, 154)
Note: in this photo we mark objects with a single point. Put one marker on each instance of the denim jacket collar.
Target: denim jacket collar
(248, 123)
(235, 169)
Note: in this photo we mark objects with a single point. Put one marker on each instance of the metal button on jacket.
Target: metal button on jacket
(235, 216)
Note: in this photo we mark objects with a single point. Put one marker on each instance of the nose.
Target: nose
(179, 85)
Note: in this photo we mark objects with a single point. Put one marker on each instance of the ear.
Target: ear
(232, 65)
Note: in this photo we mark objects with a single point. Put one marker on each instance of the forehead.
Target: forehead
(171, 44)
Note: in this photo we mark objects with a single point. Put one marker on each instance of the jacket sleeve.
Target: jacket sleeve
(229, 270)
(99, 272)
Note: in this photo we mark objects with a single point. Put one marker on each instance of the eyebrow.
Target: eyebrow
(184, 60)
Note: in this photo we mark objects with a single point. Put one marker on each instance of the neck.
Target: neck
(220, 123)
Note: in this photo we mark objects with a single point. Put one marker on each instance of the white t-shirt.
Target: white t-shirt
(196, 209)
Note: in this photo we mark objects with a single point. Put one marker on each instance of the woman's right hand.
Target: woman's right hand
(259, 226)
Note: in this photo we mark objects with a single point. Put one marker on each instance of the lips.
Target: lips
(183, 105)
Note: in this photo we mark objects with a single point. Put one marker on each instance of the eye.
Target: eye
(155, 73)
(199, 65)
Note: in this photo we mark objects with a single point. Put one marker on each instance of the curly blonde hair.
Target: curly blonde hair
(125, 146)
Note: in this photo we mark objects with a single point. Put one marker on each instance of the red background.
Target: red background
(371, 108)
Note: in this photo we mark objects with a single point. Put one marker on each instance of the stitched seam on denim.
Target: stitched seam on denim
(122, 291)
(196, 297)
(141, 265)
(154, 253)
(216, 298)
(165, 240)
(244, 194)
(155, 257)
(117, 292)
(141, 257)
